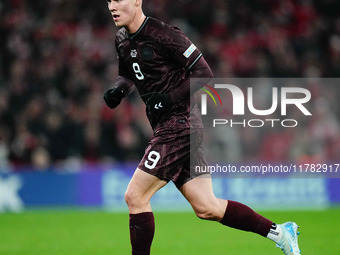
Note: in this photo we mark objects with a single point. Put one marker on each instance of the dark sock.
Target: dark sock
(142, 229)
(242, 217)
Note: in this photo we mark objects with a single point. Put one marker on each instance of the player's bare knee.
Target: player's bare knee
(207, 214)
(132, 199)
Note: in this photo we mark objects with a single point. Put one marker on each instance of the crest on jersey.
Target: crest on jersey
(133, 53)
(146, 52)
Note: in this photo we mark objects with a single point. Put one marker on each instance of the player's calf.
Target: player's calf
(142, 229)
(242, 217)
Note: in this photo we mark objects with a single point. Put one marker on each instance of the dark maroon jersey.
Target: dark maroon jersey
(158, 58)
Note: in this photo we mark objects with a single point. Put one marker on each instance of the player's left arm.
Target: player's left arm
(184, 53)
(200, 69)
(181, 51)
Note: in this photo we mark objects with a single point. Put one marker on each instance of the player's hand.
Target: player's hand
(113, 97)
(157, 103)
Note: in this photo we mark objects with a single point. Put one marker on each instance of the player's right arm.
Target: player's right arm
(124, 85)
(122, 88)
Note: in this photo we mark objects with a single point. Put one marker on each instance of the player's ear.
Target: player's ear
(138, 2)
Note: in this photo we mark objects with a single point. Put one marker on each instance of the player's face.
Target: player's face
(123, 11)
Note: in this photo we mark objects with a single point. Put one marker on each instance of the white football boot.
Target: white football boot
(289, 241)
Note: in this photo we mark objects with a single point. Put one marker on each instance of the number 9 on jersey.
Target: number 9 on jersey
(138, 72)
(153, 159)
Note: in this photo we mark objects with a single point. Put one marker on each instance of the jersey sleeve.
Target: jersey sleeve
(179, 48)
(122, 68)
(200, 70)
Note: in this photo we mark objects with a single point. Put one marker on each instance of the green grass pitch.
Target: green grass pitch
(97, 233)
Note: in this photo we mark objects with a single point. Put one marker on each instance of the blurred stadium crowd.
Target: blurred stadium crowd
(57, 57)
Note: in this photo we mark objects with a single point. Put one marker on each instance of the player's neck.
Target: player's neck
(136, 24)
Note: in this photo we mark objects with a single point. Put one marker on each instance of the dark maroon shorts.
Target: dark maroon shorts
(170, 153)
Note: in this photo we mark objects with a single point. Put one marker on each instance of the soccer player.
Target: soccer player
(159, 60)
